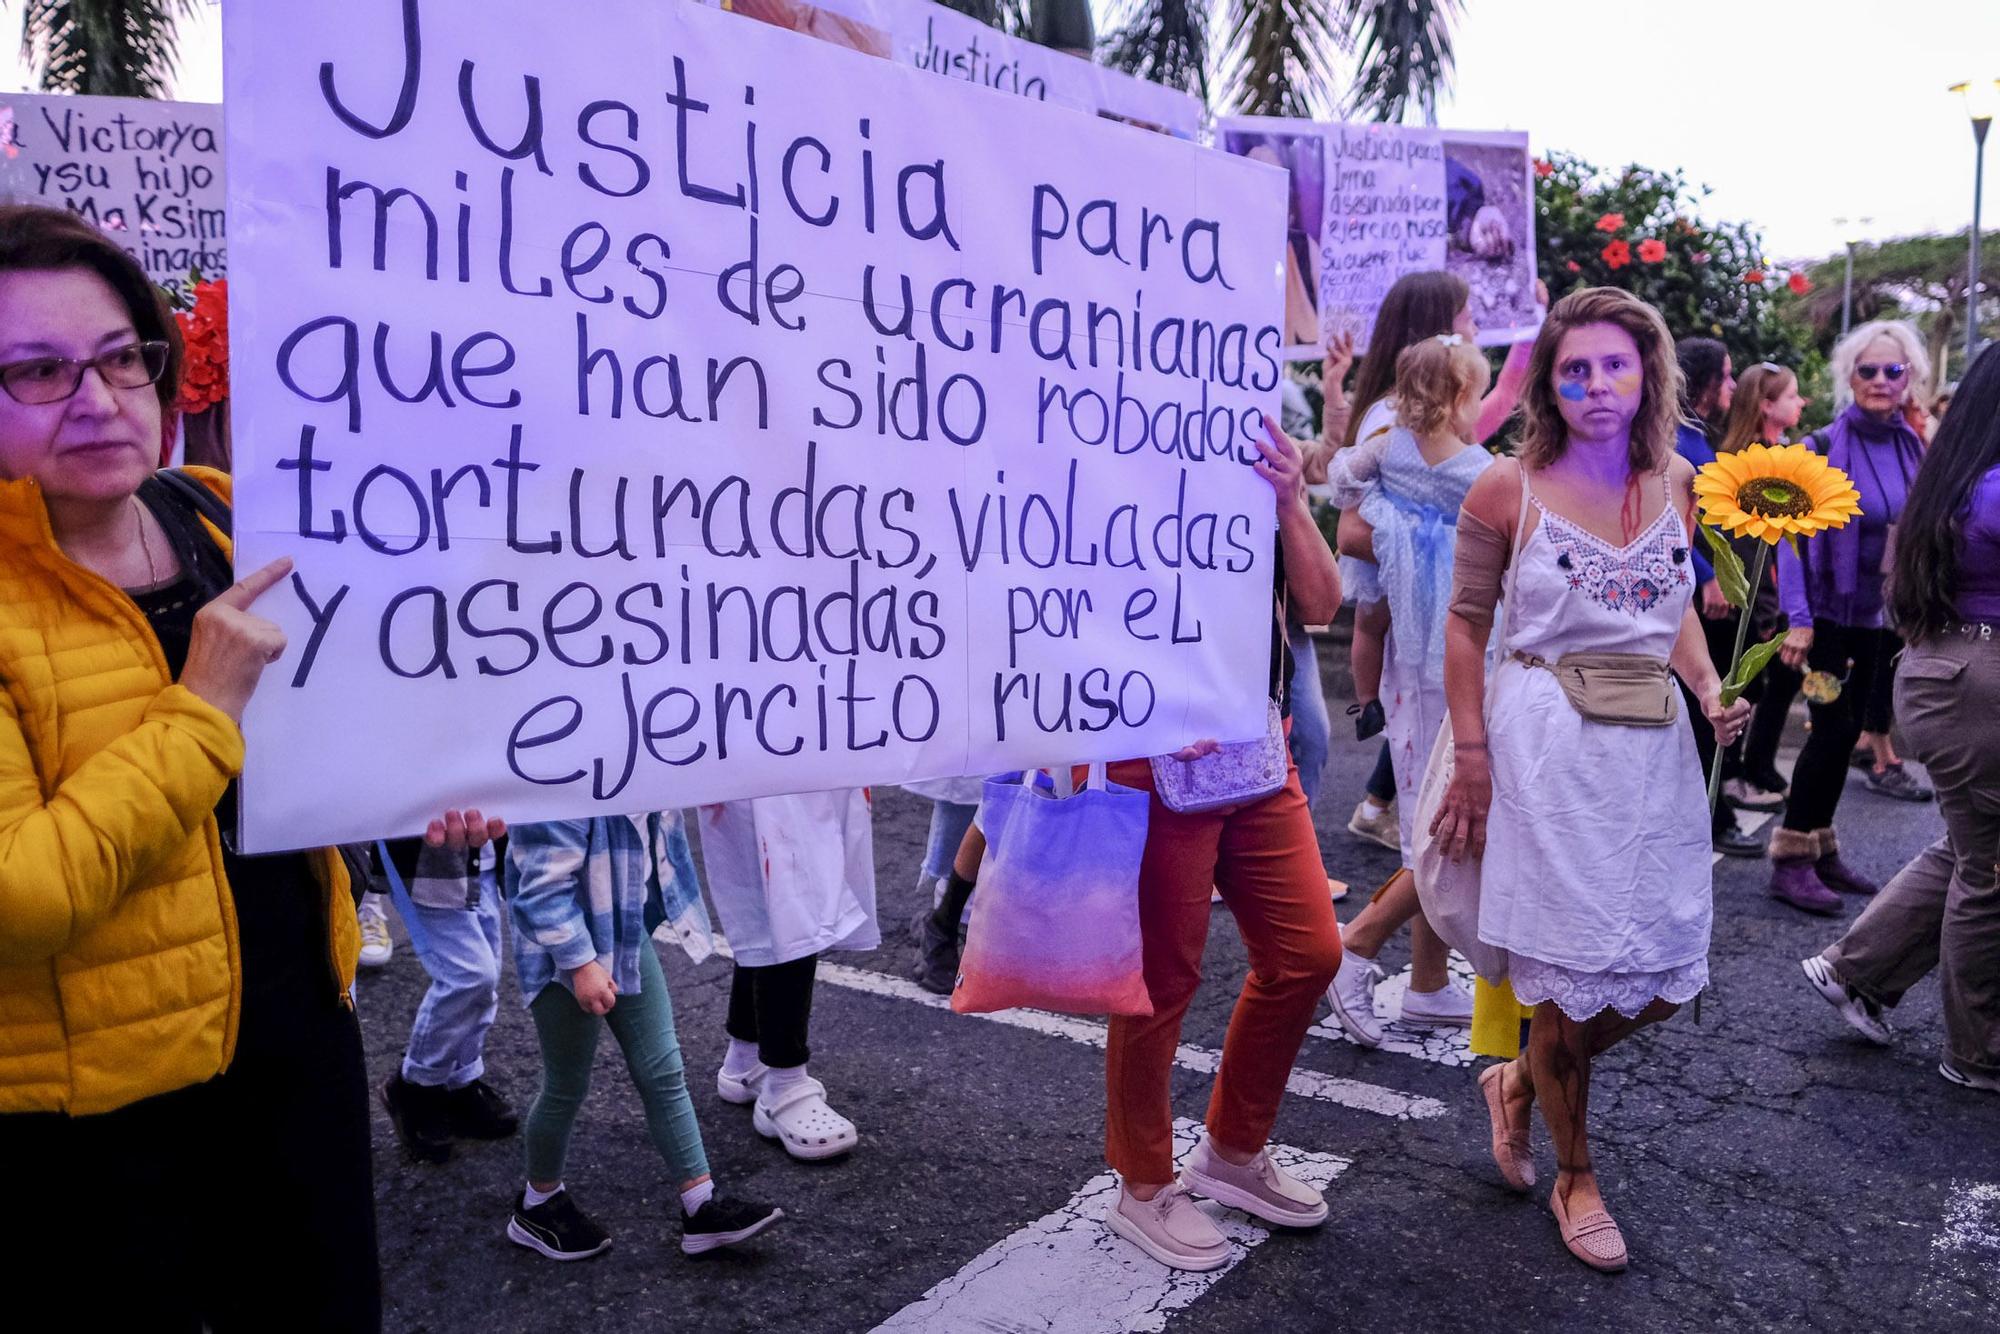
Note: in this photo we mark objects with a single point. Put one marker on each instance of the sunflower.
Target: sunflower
(1772, 493)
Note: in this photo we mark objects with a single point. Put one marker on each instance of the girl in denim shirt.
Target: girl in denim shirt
(587, 897)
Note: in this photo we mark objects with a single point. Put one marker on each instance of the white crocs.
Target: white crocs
(798, 1117)
(740, 1089)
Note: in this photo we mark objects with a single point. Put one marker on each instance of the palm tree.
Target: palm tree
(122, 48)
(1380, 59)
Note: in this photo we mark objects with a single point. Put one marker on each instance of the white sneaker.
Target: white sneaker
(1259, 1187)
(1862, 1015)
(1378, 828)
(1352, 996)
(376, 946)
(1450, 1006)
(1169, 1228)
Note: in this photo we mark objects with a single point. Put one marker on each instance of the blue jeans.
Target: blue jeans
(949, 821)
(460, 949)
(1311, 730)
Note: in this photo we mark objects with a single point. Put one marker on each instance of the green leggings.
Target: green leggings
(644, 1027)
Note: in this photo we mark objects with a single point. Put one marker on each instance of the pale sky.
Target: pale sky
(1796, 112)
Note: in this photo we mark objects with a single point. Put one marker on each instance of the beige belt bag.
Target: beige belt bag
(1623, 689)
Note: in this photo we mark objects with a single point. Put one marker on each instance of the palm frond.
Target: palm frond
(118, 48)
(1403, 55)
(1166, 41)
(1284, 57)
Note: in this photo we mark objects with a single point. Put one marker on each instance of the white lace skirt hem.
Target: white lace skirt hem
(1584, 996)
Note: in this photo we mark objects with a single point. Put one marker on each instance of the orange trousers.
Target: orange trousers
(1264, 857)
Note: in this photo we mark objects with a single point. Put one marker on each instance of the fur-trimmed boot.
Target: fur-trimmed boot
(1793, 879)
(1835, 873)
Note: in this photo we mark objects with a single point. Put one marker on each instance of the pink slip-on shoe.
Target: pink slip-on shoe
(1592, 1238)
(1510, 1151)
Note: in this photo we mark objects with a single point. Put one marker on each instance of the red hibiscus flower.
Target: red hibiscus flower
(1652, 251)
(1617, 255)
(1755, 277)
(1573, 267)
(1611, 222)
(205, 334)
(1544, 169)
(1799, 283)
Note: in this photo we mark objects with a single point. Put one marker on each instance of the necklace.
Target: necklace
(139, 519)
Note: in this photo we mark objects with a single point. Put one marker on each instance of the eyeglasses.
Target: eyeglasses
(1891, 372)
(52, 379)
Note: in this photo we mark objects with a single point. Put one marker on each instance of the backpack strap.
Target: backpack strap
(198, 498)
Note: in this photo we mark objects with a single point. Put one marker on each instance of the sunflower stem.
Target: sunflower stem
(1735, 657)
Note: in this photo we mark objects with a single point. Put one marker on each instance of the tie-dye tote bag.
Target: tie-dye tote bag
(1055, 920)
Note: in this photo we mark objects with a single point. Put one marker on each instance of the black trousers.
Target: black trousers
(1775, 691)
(1855, 653)
(246, 1203)
(1721, 637)
(772, 1007)
(1878, 713)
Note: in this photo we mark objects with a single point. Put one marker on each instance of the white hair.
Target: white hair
(1847, 351)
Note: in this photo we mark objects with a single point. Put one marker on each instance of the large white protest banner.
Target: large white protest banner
(666, 408)
(149, 173)
(957, 46)
(1370, 203)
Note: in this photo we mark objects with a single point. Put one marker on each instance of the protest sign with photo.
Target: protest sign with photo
(1386, 200)
(149, 173)
(668, 408)
(945, 42)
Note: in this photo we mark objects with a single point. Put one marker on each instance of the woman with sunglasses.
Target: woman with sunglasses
(182, 1092)
(1830, 587)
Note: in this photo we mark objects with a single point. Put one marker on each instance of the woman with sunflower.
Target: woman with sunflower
(1570, 770)
(1830, 587)
(1943, 910)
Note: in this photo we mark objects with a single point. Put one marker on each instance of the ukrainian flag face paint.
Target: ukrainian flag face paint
(1598, 381)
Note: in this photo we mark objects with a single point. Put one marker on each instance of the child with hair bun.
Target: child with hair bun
(1411, 508)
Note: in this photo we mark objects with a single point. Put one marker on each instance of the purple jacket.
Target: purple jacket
(1837, 576)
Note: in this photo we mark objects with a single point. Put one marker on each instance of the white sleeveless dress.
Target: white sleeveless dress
(1596, 874)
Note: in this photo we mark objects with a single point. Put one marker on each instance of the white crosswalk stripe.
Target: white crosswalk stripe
(1303, 1083)
(1066, 1273)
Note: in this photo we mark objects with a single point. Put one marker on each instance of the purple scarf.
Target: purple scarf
(1838, 552)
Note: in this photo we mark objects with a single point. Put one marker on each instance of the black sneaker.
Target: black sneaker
(476, 1111)
(723, 1222)
(421, 1117)
(937, 957)
(1895, 782)
(557, 1228)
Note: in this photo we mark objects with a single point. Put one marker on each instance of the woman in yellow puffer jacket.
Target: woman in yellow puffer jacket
(182, 1094)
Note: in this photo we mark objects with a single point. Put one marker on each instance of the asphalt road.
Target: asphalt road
(1771, 1171)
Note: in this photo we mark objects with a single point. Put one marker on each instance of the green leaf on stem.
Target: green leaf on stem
(1755, 659)
(1728, 566)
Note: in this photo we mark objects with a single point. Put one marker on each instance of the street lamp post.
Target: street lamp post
(1980, 96)
(1847, 289)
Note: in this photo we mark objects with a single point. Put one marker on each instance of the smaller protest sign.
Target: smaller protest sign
(1383, 201)
(149, 173)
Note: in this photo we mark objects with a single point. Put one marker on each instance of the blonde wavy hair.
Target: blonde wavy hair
(1910, 347)
(1761, 385)
(1544, 436)
(1434, 378)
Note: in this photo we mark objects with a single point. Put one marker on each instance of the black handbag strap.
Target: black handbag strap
(199, 498)
(180, 502)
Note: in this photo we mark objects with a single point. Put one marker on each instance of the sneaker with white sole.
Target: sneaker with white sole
(1450, 1006)
(1864, 1016)
(1969, 1079)
(557, 1228)
(1352, 995)
(377, 948)
(1378, 828)
(1170, 1228)
(1259, 1187)
(723, 1222)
